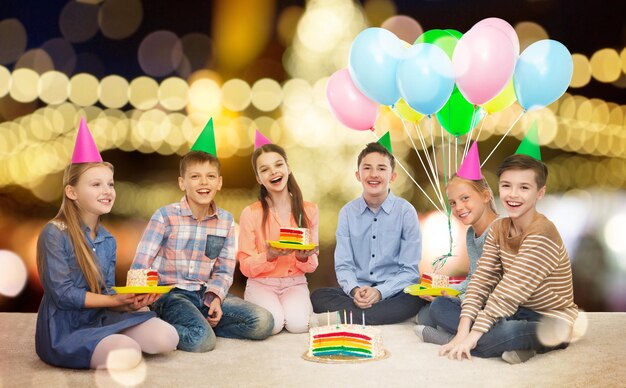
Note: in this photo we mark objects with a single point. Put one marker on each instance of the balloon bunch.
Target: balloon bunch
(458, 78)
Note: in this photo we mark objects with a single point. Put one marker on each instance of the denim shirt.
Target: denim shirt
(67, 332)
(380, 249)
(68, 292)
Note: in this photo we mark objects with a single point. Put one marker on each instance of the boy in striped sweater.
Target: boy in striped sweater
(523, 283)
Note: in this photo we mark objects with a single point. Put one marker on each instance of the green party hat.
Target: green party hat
(206, 140)
(385, 141)
(530, 144)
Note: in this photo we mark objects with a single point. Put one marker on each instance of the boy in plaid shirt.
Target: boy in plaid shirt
(191, 244)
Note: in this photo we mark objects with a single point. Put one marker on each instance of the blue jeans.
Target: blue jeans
(517, 332)
(397, 308)
(185, 310)
(423, 316)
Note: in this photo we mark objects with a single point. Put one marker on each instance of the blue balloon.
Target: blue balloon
(542, 74)
(374, 56)
(425, 78)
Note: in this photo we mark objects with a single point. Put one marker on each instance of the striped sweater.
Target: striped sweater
(531, 270)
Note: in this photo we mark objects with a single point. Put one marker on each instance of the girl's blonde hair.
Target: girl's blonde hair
(69, 215)
(481, 186)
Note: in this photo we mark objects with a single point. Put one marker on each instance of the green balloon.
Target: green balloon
(455, 33)
(443, 39)
(456, 116)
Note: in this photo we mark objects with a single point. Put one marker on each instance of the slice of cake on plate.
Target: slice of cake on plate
(295, 236)
(142, 278)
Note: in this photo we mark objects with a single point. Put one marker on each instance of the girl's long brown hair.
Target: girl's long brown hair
(69, 215)
(297, 202)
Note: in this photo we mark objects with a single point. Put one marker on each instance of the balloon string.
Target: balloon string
(447, 202)
(440, 261)
(482, 124)
(456, 152)
(468, 139)
(432, 142)
(450, 231)
(449, 155)
(422, 140)
(443, 158)
(445, 182)
(503, 136)
(421, 161)
(445, 177)
(410, 177)
(430, 164)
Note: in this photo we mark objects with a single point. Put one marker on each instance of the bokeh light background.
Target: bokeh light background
(147, 75)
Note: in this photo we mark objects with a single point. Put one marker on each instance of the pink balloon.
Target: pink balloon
(348, 104)
(504, 27)
(483, 61)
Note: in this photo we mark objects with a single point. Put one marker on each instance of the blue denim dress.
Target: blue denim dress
(67, 333)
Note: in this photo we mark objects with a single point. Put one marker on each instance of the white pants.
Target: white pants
(286, 298)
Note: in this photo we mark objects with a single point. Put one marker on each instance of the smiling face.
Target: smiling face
(376, 175)
(467, 204)
(272, 172)
(519, 194)
(201, 182)
(94, 193)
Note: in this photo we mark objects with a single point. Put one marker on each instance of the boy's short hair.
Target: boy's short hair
(525, 162)
(376, 147)
(193, 157)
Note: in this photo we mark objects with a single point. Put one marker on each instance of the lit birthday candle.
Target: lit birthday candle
(338, 319)
(363, 318)
(345, 319)
(350, 317)
(328, 318)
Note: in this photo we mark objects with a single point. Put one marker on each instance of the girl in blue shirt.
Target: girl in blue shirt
(81, 321)
(471, 202)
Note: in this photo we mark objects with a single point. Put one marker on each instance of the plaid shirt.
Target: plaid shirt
(178, 246)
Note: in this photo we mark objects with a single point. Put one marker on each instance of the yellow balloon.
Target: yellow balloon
(502, 100)
(405, 112)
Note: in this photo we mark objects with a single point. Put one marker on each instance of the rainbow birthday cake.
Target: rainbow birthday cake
(142, 278)
(295, 236)
(345, 341)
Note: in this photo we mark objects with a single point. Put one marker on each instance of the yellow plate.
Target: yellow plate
(418, 289)
(278, 244)
(143, 289)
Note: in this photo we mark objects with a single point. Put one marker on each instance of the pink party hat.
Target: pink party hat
(470, 168)
(260, 140)
(85, 150)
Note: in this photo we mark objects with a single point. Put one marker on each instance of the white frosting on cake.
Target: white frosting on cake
(142, 278)
(440, 280)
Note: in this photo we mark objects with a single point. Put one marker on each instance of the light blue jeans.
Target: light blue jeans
(185, 310)
(517, 332)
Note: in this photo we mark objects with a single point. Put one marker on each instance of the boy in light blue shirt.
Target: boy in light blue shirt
(379, 246)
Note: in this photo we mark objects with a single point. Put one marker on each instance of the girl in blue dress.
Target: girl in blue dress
(81, 320)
